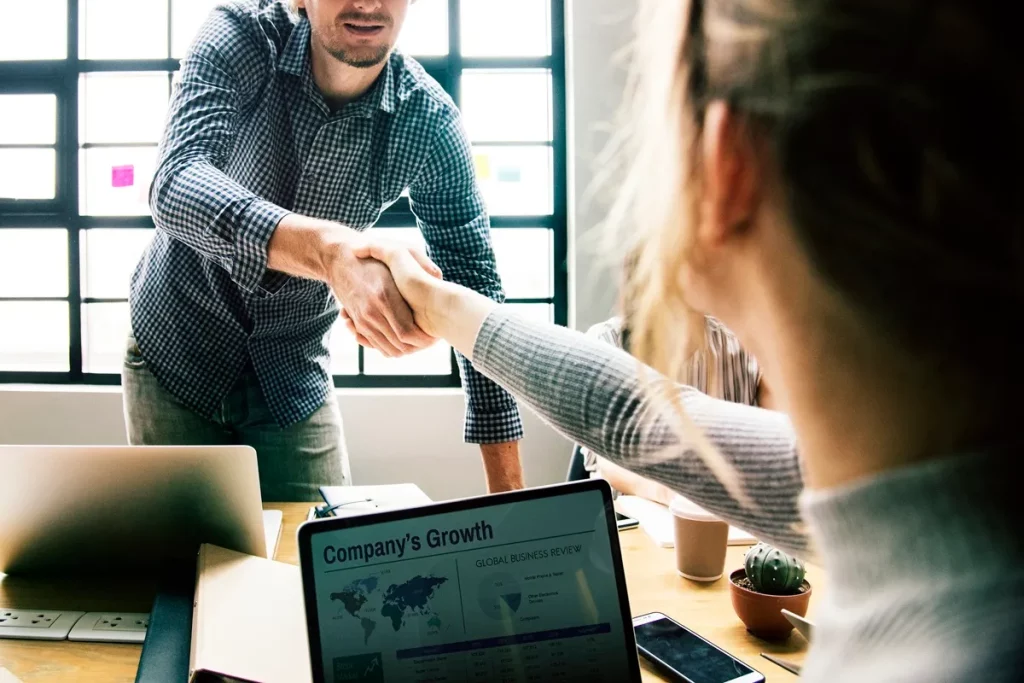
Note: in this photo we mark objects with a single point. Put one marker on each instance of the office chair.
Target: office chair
(577, 470)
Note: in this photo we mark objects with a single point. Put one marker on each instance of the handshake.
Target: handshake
(386, 290)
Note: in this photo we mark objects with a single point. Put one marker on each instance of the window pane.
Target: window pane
(524, 262)
(187, 16)
(35, 336)
(28, 173)
(123, 107)
(115, 180)
(425, 32)
(406, 235)
(506, 105)
(506, 29)
(542, 313)
(108, 259)
(123, 29)
(435, 360)
(515, 181)
(33, 263)
(104, 330)
(34, 29)
(28, 119)
(344, 351)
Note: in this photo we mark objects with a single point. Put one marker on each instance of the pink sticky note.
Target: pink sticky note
(122, 176)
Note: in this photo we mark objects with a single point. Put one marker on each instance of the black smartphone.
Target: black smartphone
(624, 522)
(681, 655)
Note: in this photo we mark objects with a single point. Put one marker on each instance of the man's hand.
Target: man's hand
(442, 309)
(373, 308)
(503, 467)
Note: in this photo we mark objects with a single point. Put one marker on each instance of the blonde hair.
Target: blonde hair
(648, 161)
(873, 114)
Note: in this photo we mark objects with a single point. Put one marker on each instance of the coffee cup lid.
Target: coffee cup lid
(687, 509)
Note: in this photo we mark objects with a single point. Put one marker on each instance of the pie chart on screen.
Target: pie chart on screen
(499, 596)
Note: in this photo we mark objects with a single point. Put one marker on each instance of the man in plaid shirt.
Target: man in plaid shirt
(291, 129)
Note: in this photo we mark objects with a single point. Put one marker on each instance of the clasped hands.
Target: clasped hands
(385, 289)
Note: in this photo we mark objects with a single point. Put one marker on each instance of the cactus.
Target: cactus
(772, 571)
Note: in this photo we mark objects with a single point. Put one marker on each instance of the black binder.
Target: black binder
(165, 652)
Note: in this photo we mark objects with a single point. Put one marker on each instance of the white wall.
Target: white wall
(598, 32)
(416, 435)
(413, 435)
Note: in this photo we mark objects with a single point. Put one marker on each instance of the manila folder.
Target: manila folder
(248, 620)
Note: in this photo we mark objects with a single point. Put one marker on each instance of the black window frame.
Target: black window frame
(62, 77)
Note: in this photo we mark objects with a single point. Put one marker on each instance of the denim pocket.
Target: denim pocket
(133, 354)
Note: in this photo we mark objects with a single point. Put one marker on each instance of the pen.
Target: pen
(788, 666)
(321, 512)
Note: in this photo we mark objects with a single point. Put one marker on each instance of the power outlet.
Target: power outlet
(36, 624)
(26, 619)
(122, 622)
(111, 627)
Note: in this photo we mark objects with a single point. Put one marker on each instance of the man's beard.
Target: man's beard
(360, 58)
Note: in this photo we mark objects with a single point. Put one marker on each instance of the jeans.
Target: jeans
(293, 461)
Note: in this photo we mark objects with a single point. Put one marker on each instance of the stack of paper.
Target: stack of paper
(657, 521)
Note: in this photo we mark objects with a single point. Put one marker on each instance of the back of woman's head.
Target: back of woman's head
(896, 130)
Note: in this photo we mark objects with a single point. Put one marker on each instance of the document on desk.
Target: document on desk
(273, 521)
(249, 622)
(355, 500)
(656, 520)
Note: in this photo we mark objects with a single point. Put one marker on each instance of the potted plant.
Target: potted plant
(769, 582)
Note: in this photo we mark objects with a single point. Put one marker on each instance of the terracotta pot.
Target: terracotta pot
(762, 613)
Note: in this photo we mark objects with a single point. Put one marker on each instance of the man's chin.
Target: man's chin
(363, 58)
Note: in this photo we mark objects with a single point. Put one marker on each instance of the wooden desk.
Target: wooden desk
(650, 575)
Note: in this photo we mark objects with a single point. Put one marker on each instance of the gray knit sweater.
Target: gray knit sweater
(925, 564)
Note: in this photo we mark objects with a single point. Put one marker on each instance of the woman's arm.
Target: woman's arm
(632, 484)
(594, 395)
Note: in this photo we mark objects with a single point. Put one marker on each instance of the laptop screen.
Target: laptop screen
(518, 591)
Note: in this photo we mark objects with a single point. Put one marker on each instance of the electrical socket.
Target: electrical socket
(19, 618)
(36, 624)
(111, 627)
(122, 622)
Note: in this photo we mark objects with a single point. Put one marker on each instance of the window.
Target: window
(78, 146)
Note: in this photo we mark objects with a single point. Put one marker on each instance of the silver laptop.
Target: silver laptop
(124, 509)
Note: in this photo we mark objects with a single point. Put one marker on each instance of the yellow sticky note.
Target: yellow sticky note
(483, 166)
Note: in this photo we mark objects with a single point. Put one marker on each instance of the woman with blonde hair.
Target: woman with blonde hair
(819, 175)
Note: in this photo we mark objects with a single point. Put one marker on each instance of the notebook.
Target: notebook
(355, 500)
(656, 520)
(248, 621)
(165, 653)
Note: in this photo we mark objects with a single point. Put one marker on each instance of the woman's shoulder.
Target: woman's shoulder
(736, 372)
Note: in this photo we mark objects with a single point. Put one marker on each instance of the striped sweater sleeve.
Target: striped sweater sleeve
(593, 394)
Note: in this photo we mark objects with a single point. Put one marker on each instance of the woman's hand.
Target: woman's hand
(443, 310)
(418, 278)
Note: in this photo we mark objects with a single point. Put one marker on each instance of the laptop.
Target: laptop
(521, 586)
(125, 509)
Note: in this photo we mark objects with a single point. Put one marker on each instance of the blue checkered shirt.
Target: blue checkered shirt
(250, 139)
